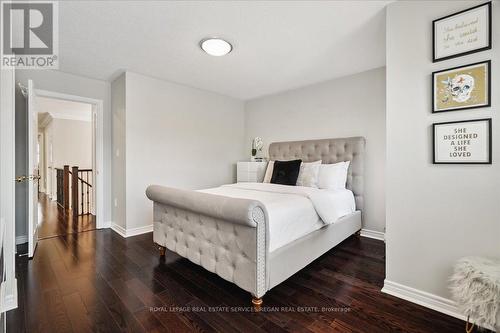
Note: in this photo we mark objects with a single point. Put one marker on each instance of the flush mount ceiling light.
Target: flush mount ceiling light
(216, 46)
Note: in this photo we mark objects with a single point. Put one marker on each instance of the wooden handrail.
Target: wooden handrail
(79, 170)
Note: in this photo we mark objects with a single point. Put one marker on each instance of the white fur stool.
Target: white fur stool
(475, 286)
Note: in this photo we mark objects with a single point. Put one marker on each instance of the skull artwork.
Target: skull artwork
(460, 87)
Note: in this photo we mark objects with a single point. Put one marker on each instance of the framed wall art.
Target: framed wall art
(462, 33)
(460, 88)
(462, 142)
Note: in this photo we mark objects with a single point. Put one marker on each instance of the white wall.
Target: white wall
(118, 94)
(65, 83)
(175, 136)
(71, 144)
(435, 213)
(348, 106)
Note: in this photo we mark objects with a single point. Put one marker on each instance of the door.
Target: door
(33, 175)
(7, 188)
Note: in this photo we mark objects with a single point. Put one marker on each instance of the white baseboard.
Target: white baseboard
(118, 229)
(8, 300)
(106, 224)
(431, 301)
(139, 230)
(373, 234)
(21, 239)
(132, 231)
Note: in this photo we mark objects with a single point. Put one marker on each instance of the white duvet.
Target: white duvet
(294, 211)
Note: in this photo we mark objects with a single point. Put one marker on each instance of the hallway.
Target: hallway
(54, 221)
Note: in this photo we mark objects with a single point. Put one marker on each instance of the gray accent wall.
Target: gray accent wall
(349, 106)
(436, 214)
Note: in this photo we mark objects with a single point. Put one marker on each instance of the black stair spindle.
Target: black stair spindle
(88, 201)
(81, 189)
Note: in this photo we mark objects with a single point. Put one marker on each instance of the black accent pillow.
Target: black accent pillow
(286, 172)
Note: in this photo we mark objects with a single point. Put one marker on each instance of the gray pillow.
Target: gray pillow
(308, 174)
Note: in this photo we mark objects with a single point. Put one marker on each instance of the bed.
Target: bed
(257, 235)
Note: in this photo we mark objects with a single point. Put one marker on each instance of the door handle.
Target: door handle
(20, 179)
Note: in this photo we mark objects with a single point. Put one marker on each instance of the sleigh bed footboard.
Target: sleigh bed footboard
(226, 236)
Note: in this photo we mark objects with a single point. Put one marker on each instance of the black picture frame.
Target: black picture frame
(488, 64)
(488, 47)
(490, 148)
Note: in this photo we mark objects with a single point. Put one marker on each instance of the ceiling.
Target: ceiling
(278, 45)
(62, 109)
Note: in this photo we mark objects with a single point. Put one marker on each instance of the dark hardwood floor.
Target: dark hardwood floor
(97, 281)
(54, 221)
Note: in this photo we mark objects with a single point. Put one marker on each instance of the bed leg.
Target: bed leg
(257, 303)
(162, 250)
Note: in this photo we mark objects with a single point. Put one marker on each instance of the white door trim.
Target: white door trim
(8, 288)
(97, 105)
(33, 168)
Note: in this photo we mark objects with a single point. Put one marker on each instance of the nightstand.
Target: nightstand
(250, 172)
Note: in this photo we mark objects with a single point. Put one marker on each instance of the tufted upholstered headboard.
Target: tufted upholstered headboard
(329, 151)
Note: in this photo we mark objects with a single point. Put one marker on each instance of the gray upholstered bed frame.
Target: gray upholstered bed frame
(229, 236)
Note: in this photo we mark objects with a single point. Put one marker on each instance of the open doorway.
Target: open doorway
(66, 159)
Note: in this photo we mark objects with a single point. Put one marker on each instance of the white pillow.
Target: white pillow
(269, 172)
(308, 174)
(333, 176)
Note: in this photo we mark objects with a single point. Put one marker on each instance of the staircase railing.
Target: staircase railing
(75, 189)
(83, 191)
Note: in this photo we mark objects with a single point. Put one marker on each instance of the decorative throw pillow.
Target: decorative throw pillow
(269, 172)
(333, 176)
(308, 174)
(286, 172)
